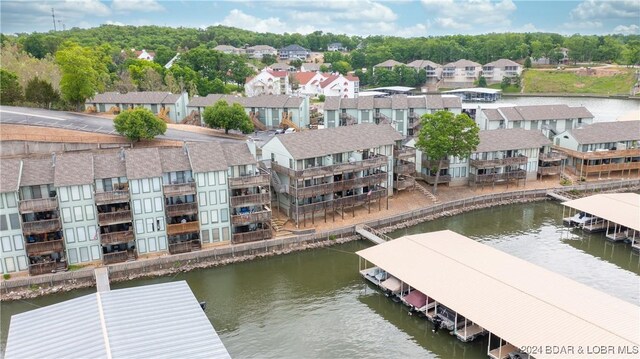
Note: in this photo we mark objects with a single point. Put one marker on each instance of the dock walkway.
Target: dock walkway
(371, 234)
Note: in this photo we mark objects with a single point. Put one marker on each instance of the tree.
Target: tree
(341, 66)
(83, 73)
(269, 59)
(482, 81)
(10, 89)
(297, 63)
(324, 68)
(40, 92)
(163, 55)
(444, 135)
(527, 63)
(139, 124)
(221, 115)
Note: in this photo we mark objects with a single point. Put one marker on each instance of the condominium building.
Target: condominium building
(112, 206)
(347, 167)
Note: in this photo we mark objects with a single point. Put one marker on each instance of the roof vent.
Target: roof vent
(53, 159)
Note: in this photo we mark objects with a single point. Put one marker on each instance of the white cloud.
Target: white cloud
(116, 23)
(626, 30)
(136, 5)
(28, 16)
(598, 9)
(237, 18)
(468, 14)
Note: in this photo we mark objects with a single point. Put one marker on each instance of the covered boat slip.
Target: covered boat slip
(616, 213)
(521, 303)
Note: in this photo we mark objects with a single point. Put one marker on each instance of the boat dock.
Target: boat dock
(557, 196)
(372, 234)
(616, 214)
(476, 290)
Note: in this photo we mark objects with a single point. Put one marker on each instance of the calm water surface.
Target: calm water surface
(314, 304)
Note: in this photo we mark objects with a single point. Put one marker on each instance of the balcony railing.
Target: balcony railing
(595, 155)
(179, 189)
(39, 227)
(116, 237)
(255, 217)
(404, 183)
(470, 73)
(257, 199)
(258, 235)
(181, 209)
(38, 205)
(343, 201)
(123, 216)
(45, 247)
(550, 170)
(42, 268)
(432, 179)
(183, 228)
(609, 167)
(376, 161)
(111, 197)
(115, 257)
(404, 168)
(509, 161)
(184, 247)
(431, 73)
(552, 156)
(498, 177)
(338, 186)
(435, 163)
(404, 152)
(249, 181)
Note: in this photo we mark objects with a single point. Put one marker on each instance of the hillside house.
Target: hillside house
(387, 65)
(268, 82)
(294, 52)
(173, 105)
(497, 70)
(461, 73)
(432, 70)
(315, 84)
(230, 50)
(258, 51)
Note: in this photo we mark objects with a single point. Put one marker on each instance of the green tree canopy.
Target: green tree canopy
(269, 59)
(139, 124)
(482, 81)
(444, 135)
(221, 115)
(10, 89)
(40, 92)
(341, 66)
(84, 73)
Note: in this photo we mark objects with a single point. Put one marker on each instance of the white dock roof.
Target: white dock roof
(620, 208)
(520, 302)
(153, 321)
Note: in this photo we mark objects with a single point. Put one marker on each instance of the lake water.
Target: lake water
(315, 304)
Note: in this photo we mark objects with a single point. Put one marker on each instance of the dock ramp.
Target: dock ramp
(371, 234)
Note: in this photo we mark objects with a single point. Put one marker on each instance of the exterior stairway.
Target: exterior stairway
(423, 188)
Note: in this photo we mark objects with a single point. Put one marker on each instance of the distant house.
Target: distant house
(388, 65)
(278, 66)
(144, 54)
(316, 83)
(258, 51)
(294, 52)
(497, 70)
(312, 66)
(227, 49)
(175, 104)
(336, 46)
(460, 73)
(268, 82)
(433, 70)
(547, 61)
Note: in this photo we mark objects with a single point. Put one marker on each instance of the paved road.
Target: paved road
(80, 122)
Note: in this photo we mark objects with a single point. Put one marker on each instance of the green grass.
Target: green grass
(556, 81)
(509, 89)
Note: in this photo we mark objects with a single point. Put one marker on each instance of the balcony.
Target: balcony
(249, 181)
(377, 161)
(258, 235)
(552, 156)
(487, 73)
(509, 161)
(470, 74)
(498, 177)
(38, 205)
(426, 163)
(42, 268)
(251, 199)
(338, 186)
(111, 197)
(404, 168)
(38, 248)
(183, 228)
(549, 171)
(431, 179)
(448, 73)
(431, 73)
(105, 219)
(179, 189)
(247, 218)
(404, 183)
(115, 257)
(609, 167)
(596, 155)
(184, 247)
(116, 237)
(174, 210)
(39, 227)
(404, 152)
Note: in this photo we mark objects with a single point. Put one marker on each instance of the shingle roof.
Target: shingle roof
(36, 172)
(451, 101)
(420, 64)
(333, 102)
(604, 132)
(146, 97)
(9, 175)
(261, 48)
(224, 48)
(349, 103)
(365, 103)
(307, 144)
(389, 63)
(173, 159)
(463, 63)
(143, 163)
(294, 47)
(417, 101)
(310, 66)
(435, 102)
(511, 139)
(382, 102)
(266, 101)
(304, 77)
(394, 102)
(537, 113)
(237, 154)
(206, 157)
(502, 63)
(73, 169)
(399, 102)
(108, 165)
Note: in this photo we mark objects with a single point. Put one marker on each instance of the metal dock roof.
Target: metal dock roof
(520, 302)
(620, 208)
(153, 321)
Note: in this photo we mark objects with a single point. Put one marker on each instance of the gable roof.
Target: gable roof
(10, 175)
(307, 144)
(463, 63)
(206, 157)
(266, 101)
(304, 77)
(311, 66)
(36, 171)
(537, 113)
(261, 48)
(238, 154)
(604, 132)
(294, 47)
(225, 48)
(109, 165)
(143, 163)
(143, 97)
(510, 139)
(174, 159)
(73, 169)
(420, 64)
(389, 63)
(502, 63)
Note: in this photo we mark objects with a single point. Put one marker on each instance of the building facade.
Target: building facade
(163, 104)
(496, 71)
(258, 51)
(460, 73)
(316, 83)
(293, 52)
(268, 82)
(433, 71)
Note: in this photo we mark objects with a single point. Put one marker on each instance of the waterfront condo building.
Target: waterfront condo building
(110, 206)
(321, 173)
(171, 106)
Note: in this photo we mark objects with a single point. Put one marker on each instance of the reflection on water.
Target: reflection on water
(314, 303)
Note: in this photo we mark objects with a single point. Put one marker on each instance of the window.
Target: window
(14, 219)
(204, 217)
(6, 244)
(90, 213)
(18, 243)
(214, 216)
(153, 245)
(213, 199)
(70, 235)
(204, 235)
(10, 264)
(215, 235)
(160, 223)
(93, 235)
(86, 191)
(139, 226)
(11, 200)
(73, 255)
(77, 213)
(221, 178)
(201, 180)
(148, 206)
(225, 233)
(211, 178)
(150, 225)
(223, 196)
(158, 204)
(82, 234)
(145, 186)
(84, 254)
(202, 198)
(224, 215)
(137, 206)
(156, 184)
(75, 193)
(142, 246)
(66, 215)
(135, 187)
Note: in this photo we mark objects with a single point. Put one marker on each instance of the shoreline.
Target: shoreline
(587, 95)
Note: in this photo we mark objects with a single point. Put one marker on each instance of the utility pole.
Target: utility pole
(53, 15)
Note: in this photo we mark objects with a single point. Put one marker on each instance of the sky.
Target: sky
(406, 18)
